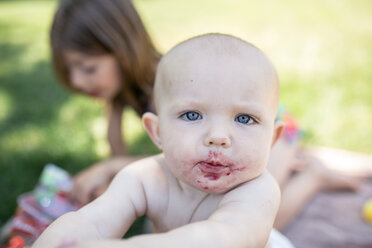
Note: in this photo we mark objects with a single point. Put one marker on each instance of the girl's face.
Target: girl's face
(98, 76)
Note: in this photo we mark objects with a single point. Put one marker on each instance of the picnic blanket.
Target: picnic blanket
(333, 219)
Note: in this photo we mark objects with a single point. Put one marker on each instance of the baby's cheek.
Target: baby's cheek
(176, 144)
(178, 161)
(254, 163)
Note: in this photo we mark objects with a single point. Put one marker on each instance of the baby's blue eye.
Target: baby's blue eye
(191, 116)
(244, 119)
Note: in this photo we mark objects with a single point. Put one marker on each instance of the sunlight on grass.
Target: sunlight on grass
(80, 107)
(132, 126)
(82, 117)
(5, 106)
(26, 24)
(24, 140)
(99, 130)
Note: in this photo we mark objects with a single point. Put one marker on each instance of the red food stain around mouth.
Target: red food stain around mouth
(212, 168)
(217, 165)
(212, 176)
(218, 158)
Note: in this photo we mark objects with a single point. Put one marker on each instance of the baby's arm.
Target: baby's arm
(109, 216)
(72, 227)
(244, 218)
(248, 213)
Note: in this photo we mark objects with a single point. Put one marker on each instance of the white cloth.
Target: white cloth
(278, 240)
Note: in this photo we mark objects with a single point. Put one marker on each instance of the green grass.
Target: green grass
(322, 50)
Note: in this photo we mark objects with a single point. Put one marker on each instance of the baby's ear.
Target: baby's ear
(278, 130)
(151, 123)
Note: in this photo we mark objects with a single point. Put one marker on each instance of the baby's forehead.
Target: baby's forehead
(201, 53)
(210, 48)
(213, 45)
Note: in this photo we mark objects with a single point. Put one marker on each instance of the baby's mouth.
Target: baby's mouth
(212, 167)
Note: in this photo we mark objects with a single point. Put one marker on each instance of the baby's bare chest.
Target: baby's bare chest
(182, 210)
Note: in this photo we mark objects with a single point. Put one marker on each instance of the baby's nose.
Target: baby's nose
(214, 140)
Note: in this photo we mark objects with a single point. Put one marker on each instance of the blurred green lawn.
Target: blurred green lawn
(321, 48)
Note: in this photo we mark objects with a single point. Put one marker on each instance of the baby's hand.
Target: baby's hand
(68, 243)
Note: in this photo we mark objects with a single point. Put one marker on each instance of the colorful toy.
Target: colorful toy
(37, 209)
(292, 132)
(367, 211)
(16, 242)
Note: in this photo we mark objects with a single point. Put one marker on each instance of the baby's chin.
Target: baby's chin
(215, 191)
(214, 185)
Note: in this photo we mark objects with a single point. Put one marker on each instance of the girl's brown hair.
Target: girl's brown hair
(96, 27)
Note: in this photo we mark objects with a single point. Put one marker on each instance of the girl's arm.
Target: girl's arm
(114, 131)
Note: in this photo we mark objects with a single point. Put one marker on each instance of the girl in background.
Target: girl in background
(102, 49)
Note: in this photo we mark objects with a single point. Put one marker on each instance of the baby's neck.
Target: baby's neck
(190, 190)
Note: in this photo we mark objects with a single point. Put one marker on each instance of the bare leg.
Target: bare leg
(301, 187)
(295, 195)
(282, 160)
(318, 174)
(345, 162)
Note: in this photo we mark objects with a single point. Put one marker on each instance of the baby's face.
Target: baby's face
(216, 121)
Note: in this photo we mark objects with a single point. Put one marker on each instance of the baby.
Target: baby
(216, 99)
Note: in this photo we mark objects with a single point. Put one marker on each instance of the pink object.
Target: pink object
(37, 209)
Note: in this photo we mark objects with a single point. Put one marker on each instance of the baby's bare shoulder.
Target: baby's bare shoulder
(261, 187)
(143, 170)
(153, 177)
(250, 205)
(253, 202)
(148, 163)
